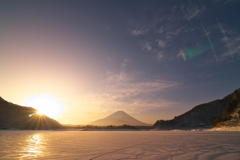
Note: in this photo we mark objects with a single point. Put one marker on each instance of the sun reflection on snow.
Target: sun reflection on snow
(34, 146)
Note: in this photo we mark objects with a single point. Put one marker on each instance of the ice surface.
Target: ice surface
(119, 145)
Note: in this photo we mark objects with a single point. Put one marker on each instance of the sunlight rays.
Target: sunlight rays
(45, 105)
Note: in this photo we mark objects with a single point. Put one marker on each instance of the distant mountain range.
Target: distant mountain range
(14, 116)
(117, 119)
(223, 112)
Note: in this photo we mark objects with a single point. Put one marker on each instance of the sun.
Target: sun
(45, 105)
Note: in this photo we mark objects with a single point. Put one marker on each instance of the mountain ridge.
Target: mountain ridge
(13, 116)
(118, 118)
(220, 112)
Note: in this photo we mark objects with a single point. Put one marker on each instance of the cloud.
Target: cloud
(147, 46)
(154, 50)
(120, 77)
(181, 54)
(157, 51)
(168, 31)
(193, 12)
(161, 30)
(160, 55)
(128, 91)
(124, 63)
(138, 32)
(124, 86)
(231, 41)
(161, 43)
(232, 45)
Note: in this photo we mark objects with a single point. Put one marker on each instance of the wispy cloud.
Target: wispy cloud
(181, 54)
(156, 50)
(127, 91)
(230, 40)
(192, 12)
(147, 46)
(166, 29)
(160, 55)
(232, 45)
(138, 32)
(161, 43)
(124, 85)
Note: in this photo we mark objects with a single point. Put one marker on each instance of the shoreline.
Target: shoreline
(216, 129)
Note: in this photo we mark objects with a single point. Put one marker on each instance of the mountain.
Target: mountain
(222, 112)
(117, 119)
(14, 116)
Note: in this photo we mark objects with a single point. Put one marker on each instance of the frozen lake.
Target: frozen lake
(119, 145)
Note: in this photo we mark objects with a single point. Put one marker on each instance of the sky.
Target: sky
(154, 59)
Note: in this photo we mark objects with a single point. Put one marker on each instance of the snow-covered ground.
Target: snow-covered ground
(120, 145)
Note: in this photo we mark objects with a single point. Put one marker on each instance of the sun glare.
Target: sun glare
(45, 105)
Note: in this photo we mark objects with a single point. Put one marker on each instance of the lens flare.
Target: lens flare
(190, 53)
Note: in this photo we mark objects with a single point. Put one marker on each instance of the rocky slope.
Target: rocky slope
(117, 119)
(223, 112)
(13, 116)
